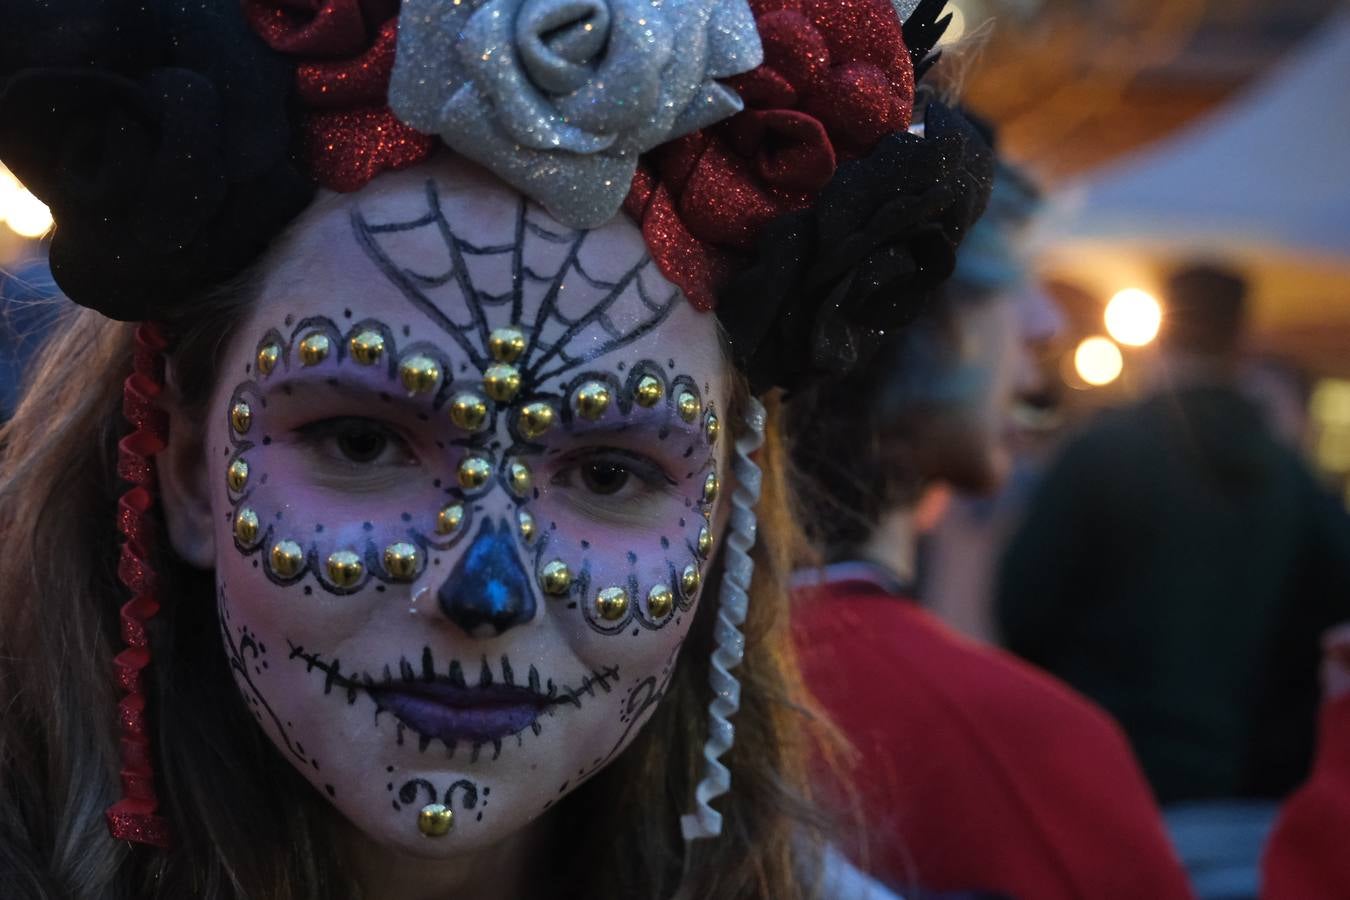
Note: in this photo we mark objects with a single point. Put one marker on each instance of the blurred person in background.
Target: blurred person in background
(1178, 565)
(972, 770)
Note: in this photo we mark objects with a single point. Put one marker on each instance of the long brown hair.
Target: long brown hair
(245, 824)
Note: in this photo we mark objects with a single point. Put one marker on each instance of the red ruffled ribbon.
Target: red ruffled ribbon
(136, 816)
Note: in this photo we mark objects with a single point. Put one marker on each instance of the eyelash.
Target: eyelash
(645, 469)
(315, 434)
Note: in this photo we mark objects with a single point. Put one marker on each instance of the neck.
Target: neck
(892, 543)
(504, 871)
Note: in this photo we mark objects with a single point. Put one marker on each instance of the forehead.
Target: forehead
(446, 254)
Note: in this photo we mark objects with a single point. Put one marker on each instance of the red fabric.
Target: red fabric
(836, 78)
(1308, 857)
(976, 772)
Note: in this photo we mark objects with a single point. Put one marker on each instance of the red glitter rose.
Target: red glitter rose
(346, 48)
(836, 78)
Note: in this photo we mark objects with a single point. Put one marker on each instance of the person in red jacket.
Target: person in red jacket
(972, 770)
(1306, 858)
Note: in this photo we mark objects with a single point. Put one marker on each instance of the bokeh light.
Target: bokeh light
(1098, 361)
(1133, 317)
(26, 215)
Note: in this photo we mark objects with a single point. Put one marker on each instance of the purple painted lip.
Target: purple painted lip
(452, 713)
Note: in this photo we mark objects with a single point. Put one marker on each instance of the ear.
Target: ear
(182, 468)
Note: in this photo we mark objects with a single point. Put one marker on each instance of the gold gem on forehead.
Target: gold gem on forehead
(710, 487)
(435, 820)
(660, 601)
(648, 391)
(474, 472)
(287, 558)
(518, 474)
(534, 419)
(501, 382)
(449, 519)
(555, 578)
(314, 349)
(592, 399)
(688, 406)
(400, 560)
(526, 522)
(419, 373)
(690, 580)
(506, 344)
(241, 417)
(268, 354)
(366, 347)
(468, 411)
(237, 474)
(611, 603)
(344, 568)
(705, 541)
(246, 525)
(712, 427)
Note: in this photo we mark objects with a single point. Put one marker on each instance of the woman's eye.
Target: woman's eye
(362, 445)
(618, 476)
(358, 442)
(604, 477)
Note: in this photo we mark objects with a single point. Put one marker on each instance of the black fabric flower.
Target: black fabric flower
(830, 281)
(159, 135)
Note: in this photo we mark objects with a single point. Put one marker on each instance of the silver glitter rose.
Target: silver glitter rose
(559, 97)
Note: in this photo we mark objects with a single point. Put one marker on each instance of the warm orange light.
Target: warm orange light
(1133, 317)
(26, 215)
(1098, 361)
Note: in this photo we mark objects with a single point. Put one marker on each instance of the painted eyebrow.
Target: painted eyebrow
(346, 386)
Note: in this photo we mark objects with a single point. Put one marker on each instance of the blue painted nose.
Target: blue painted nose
(488, 591)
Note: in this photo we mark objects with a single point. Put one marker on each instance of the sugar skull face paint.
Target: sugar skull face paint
(465, 472)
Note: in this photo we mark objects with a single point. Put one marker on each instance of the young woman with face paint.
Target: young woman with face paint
(425, 568)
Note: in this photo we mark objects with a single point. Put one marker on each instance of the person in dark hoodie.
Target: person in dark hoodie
(1179, 565)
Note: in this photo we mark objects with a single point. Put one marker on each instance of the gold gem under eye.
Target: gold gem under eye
(314, 349)
(660, 601)
(556, 578)
(506, 344)
(367, 347)
(344, 568)
(526, 526)
(688, 406)
(237, 474)
(449, 519)
(611, 603)
(690, 580)
(534, 419)
(268, 354)
(521, 480)
(468, 411)
(241, 417)
(712, 428)
(648, 391)
(474, 472)
(246, 526)
(592, 399)
(710, 487)
(501, 382)
(419, 374)
(287, 558)
(705, 541)
(400, 560)
(435, 820)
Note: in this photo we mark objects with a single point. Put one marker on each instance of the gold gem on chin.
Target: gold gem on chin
(648, 391)
(367, 347)
(690, 580)
(506, 344)
(688, 406)
(287, 558)
(660, 601)
(268, 355)
(501, 382)
(435, 820)
(556, 578)
(534, 419)
(611, 603)
(344, 568)
(314, 349)
(521, 480)
(592, 399)
(237, 474)
(468, 411)
(241, 417)
(419, 374)
(526, 526)
(449, 519)
(400, 560)
(246, 525)
(474, 472)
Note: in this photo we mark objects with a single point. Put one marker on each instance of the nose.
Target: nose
(488, 591)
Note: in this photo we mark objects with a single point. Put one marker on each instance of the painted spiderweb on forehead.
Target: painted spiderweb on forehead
(576, 297)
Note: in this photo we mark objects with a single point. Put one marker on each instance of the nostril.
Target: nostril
(488, 591)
